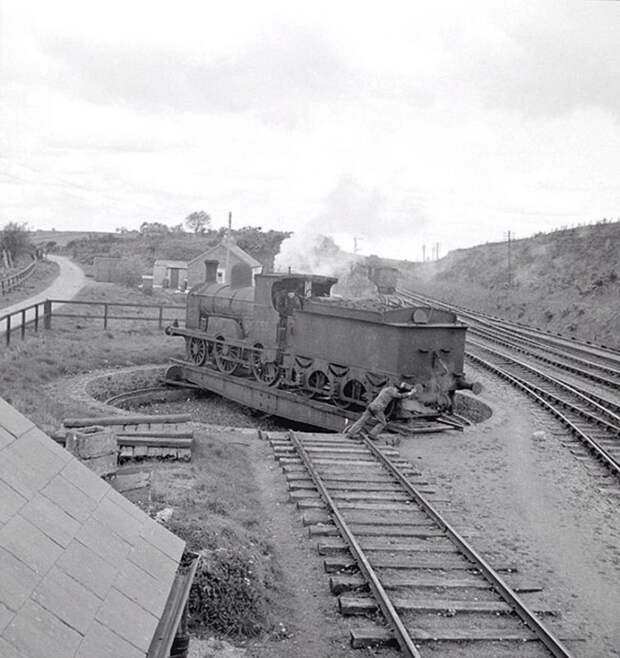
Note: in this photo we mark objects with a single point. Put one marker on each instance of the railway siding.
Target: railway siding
(395, 553)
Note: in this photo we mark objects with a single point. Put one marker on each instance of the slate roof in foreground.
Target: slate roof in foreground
(84, 573)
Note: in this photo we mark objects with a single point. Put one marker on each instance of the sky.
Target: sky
(399, 123)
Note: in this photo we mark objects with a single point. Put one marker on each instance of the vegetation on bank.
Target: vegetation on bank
(156, 241)
(567, 281)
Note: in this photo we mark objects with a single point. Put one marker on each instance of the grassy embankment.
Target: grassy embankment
(213, 498)
(44, 274)
(567, 281)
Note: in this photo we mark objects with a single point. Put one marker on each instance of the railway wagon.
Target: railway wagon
(288, 331)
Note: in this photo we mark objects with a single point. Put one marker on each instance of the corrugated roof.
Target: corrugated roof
(84, 573)
(234, 249)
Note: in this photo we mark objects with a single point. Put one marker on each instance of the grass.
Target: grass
(44, 273)
(214, 498)
(216, 511)
(77, 346)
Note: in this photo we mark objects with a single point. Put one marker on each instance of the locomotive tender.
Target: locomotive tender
(288, 332)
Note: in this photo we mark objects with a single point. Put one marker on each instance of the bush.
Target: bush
(129, 273)
(227, 595)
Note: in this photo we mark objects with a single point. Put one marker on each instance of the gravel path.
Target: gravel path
(538, 505)
(66, 285)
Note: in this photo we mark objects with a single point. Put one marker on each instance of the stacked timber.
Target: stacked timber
(141, 436)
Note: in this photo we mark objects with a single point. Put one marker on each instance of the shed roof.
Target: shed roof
(234, 249)
(181, 264)
(84, 573)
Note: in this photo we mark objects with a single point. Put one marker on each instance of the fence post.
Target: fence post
(105, 316)
(23, 327)
(161, 317)
(8, 330)
(47, 314)
(36, 317)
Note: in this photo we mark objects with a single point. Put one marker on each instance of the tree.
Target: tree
(153, 228)
(198, 221)
(15, 239)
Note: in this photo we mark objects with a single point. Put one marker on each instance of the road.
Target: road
(67, 284)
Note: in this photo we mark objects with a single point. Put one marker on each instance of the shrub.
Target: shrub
(129, 273)
(227, 595)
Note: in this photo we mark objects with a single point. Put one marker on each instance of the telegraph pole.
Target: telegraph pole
(509, 260)
(355, 244)
(423, 253)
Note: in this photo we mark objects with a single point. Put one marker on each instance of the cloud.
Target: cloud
(351, 207)
(281, 71)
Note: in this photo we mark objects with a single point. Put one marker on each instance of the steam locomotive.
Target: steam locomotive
(288, 331)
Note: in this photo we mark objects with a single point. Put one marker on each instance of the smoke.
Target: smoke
(349, 209)
(310, 252)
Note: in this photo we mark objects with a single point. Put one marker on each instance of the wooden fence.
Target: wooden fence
(41, 314)
(14, 280)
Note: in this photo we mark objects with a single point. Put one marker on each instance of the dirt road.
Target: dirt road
(68, 283)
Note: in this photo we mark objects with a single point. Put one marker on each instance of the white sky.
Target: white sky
(402, 123)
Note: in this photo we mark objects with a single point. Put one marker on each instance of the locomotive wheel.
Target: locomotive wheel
(227, 356)
(267, 373)
(197, 350)
(353, 395)
(317, 385)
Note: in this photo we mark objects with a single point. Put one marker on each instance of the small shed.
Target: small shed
(170, 274)
(84, 573)
(224, 263)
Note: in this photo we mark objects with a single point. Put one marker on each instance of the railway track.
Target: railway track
(591, 417)
(583, 349)
(598, 364)
(595, 425)
(390, 552)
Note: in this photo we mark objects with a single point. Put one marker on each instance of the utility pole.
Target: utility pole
(355, 244)
(509, 260)
(423, 253)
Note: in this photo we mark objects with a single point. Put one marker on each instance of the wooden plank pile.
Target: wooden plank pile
(138, 436)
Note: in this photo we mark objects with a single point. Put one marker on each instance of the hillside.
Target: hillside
(567, 281)
(143, 249)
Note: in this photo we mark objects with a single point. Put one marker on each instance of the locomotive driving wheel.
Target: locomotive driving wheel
(197, 350)
(317, 385)
(353, 395)
(227, 356)
(267, 372)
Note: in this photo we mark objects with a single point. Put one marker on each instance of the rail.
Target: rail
(9, 283)
(42, 314)
(367, 493)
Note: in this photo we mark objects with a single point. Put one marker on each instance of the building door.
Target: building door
(174, 278)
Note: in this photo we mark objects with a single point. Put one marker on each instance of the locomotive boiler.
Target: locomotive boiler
(288, 331)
